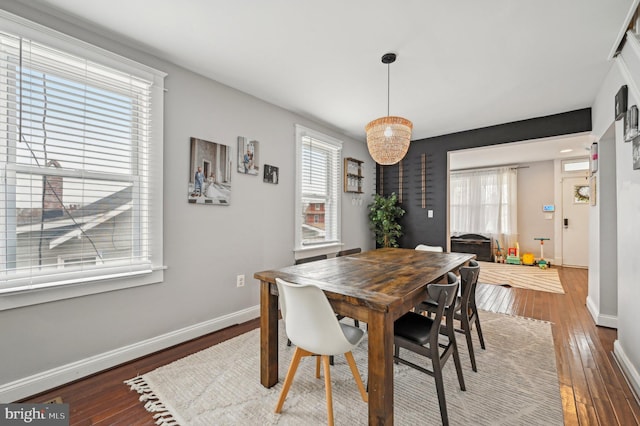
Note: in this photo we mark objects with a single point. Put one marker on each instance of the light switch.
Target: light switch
(430, 214)
(548, 216)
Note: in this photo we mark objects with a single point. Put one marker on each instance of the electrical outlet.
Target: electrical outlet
(240, 281)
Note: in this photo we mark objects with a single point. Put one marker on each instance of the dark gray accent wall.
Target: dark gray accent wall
(418, 196)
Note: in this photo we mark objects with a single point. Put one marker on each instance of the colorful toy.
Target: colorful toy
(528, 259)
(543, 264)
(513, 257)
(499, 256)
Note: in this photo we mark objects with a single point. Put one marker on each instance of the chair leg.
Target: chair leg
(466, 327)
(356, 375)
(297, 355)
(327, 386)
(356, 323)
(437, 374)
(288, 342)
(330, 359)
(317, 366)
(456, 361)
(478, 329)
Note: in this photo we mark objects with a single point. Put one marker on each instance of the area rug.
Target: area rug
(516, 384)
(522, 276)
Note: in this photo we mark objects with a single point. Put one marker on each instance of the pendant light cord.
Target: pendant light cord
(388, 87)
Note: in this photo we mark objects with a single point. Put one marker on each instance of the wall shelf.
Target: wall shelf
(353, 175)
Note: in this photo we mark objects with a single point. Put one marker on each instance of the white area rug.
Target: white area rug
(516, 384)
(522, 276)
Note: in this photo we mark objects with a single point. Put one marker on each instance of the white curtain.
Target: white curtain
(485, 202)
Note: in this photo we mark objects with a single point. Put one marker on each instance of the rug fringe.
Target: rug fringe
(152, 404)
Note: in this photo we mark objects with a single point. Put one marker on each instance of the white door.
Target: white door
(575, 221)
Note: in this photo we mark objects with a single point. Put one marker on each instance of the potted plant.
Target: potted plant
(384, 213)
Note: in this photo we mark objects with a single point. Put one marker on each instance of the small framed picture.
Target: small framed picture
(621, 103)
(581, 194)
(631, 124)
(248, 156)
(270, 174)
(636, 153)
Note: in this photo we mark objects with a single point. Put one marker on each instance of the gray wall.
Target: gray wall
(205, 247)
(535, 189)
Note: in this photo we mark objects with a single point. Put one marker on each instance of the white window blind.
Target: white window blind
(318, 205)
(74, 164)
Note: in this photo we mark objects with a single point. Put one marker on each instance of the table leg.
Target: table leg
(268, 336)
(380, 369)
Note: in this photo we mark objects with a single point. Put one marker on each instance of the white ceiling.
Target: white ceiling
(461, 65)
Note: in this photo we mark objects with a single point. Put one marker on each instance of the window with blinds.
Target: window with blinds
(74, 163)
(318, 189)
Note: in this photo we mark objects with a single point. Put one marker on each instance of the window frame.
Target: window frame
(321, 247)
(98, 280)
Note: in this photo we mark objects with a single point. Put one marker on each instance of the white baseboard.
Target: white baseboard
(630, 372)
(602, 320)
(37, 383)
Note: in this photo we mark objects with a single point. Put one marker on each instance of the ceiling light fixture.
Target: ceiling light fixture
(388, 137)
(566, 150)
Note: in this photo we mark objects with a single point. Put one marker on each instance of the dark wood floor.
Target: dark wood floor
(593, 390)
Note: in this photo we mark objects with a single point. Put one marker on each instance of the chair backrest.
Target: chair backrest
(311, 259)
(423, 247)
(309, 319)
(444, 294)
(349, 252)
(468, 281)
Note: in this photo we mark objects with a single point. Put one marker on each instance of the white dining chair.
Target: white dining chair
(312, 326)
(424, 247)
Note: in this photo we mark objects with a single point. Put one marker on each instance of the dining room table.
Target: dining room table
(375, 287)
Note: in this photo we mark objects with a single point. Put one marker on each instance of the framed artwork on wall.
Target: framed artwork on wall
(636, 153)
(248, 156)
(631, 124)
(621, 103)
(581, 194)
(209, 173)
(271, 174)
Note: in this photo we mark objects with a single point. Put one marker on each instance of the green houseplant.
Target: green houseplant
(384, 213)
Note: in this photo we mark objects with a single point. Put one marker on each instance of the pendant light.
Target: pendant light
(388, 137)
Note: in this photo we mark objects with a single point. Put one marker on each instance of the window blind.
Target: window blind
(74, 144)
(319, 186)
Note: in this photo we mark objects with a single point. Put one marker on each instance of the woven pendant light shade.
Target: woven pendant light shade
(388, 139)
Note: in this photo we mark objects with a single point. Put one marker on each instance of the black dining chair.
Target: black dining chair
(465, 309)
(430, 338)
(310, 259)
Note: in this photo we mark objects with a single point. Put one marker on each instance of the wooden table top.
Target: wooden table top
(378, 279)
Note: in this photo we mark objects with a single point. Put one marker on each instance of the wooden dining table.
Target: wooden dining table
(376, 287)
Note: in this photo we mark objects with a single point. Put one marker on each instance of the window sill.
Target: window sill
(84, 288)
(316, 250)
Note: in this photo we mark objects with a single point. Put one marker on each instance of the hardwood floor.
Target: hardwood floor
(593, 389)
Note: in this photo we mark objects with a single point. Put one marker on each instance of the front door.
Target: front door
(575, 221)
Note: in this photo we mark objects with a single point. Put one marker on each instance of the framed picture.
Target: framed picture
(621, 103)
(270, 174)
(631, 124)
(209, 173)
(593, 157)
(636, 153)
(581, 194)
(248, 156)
